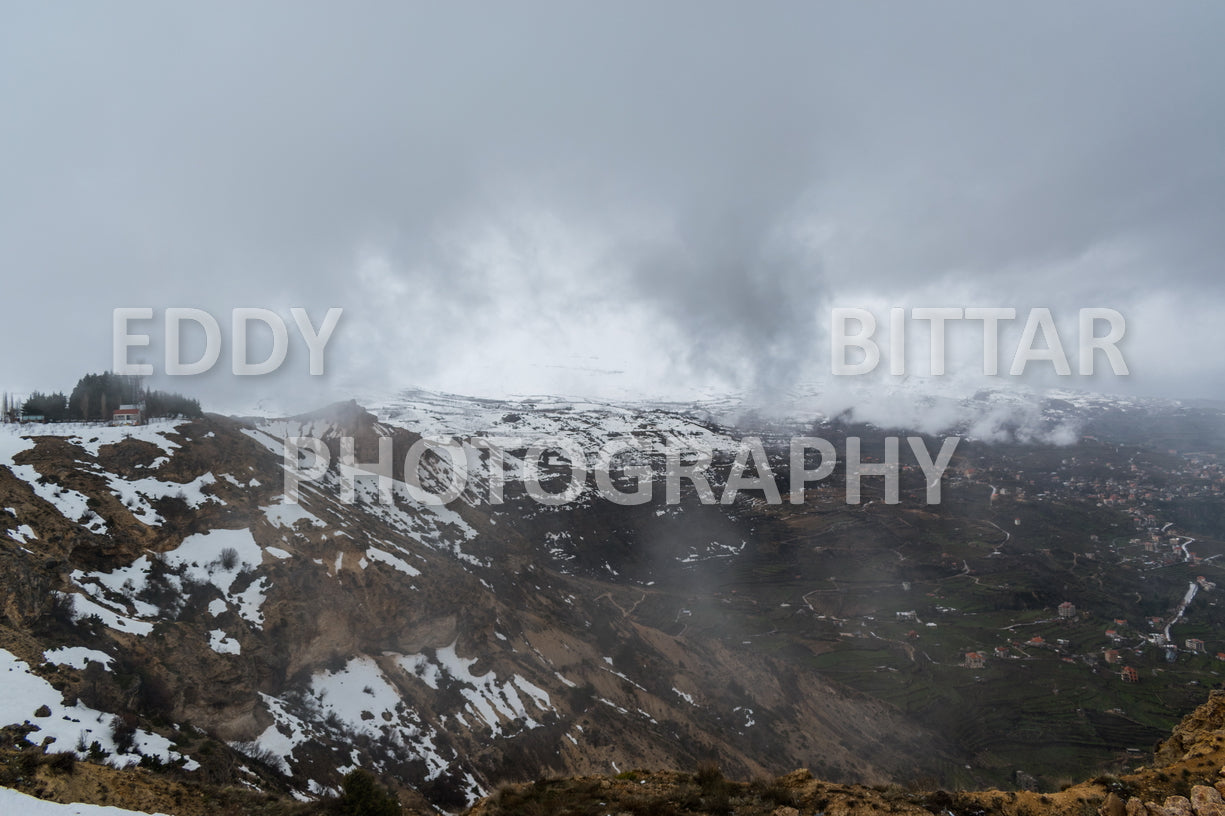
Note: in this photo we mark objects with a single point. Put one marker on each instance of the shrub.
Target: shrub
(61, 762)
(218, 764)
(260, 755)
(709, 778)
(61, 608)
(229, 558)
(123, 732)
(153, 762)
(363, 796)
(774, 792)
(28, 761)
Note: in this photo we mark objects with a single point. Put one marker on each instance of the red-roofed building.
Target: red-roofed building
(128, 415)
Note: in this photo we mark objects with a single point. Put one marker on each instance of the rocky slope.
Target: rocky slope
(167, 609)
(166, 612)
(1186, 777)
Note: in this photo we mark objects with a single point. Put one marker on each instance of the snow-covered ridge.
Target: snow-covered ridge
(1005, 414)
(588, 423)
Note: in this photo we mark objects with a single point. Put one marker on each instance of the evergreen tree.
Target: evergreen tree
(96, 395)
(52, 407)
(164, 404)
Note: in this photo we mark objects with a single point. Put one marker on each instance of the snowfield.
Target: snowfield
(12, 801)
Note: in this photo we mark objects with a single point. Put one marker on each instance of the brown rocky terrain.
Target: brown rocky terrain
(240, 655)
(1185, 778)
(481, 663)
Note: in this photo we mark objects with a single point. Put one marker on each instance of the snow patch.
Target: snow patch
(76, 656)
(221, 643)
(12, 801)
(389, 559)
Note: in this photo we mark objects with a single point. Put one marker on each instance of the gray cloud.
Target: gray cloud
(503, 196)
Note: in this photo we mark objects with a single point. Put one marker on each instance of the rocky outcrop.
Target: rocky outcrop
(1204, 801)
(1198, 734)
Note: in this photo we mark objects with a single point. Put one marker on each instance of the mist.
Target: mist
(611, 201)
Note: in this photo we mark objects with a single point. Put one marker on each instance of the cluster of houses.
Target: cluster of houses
(1133, 486)
(978, 660)
(1141, 483)
(1112, 655)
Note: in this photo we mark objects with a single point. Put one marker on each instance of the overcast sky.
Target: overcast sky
(612, 198)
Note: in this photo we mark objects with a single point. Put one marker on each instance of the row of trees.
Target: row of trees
(52, 407)
(96, 396)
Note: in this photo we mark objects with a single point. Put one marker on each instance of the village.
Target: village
(1140, 620)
